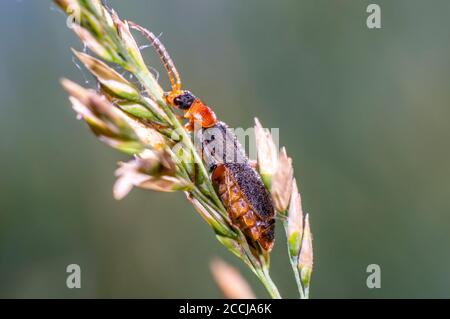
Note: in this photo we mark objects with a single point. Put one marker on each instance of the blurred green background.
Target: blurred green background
(364, 113)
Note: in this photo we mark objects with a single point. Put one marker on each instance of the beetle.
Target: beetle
(238, 185)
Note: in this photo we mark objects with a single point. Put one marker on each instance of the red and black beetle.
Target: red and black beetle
(239, 186)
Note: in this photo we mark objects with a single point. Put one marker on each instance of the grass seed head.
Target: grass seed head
(295, 221)
(230, 281)
(282, 182)
(305, 262)
(112, 81)
(266, 152)
(149, 170)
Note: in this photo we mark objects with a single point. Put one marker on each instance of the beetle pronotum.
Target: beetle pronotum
(239, 186)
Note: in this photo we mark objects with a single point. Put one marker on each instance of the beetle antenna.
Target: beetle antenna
(161, 50)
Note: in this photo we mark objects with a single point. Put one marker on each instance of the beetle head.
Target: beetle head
(184, 100)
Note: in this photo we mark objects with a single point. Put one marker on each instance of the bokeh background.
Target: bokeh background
(364, 113)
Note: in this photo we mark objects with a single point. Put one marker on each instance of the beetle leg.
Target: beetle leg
(189, 126)
(267, 237)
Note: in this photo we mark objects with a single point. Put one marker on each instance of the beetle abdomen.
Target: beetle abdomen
(247, 202)
(239, 186)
